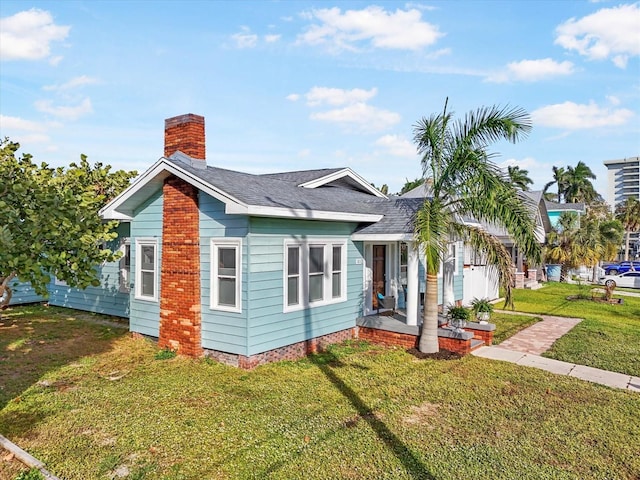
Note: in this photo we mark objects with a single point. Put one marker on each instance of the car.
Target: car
(627, 279)
(621, 267)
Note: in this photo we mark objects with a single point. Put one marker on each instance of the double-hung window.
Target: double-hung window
(315, 273)
(226, 274)
(147, 269)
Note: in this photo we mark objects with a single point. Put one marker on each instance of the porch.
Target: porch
(391, 328)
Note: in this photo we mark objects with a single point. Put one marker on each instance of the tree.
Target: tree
(464, 182)
(519, 177)
(628, 213)
(49, 222)
(577, 184)
(559, 174)
(410, 185)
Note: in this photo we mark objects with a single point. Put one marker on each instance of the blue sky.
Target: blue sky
(298, 85)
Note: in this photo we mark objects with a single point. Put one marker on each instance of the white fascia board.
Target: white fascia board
(382, 237)
(151, 178)
(345, 172)
(302, 214)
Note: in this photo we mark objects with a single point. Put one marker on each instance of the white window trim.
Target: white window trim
(456, 259)
(124, 279)
(303, 287)
(226, 242)
(145, 242)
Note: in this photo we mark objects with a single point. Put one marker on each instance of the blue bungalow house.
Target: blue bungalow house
(253, 268)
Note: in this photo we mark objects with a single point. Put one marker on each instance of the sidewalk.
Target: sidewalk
(525, 347)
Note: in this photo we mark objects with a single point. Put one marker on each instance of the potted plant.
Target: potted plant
(482, 309)
(458, 317)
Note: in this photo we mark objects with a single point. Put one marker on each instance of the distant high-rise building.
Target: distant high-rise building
(624, 182)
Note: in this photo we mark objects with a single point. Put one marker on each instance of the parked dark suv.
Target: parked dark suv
(622, 267)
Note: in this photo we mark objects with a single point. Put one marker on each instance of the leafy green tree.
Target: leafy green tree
(49, 223)
(559, 178)
(410, 185)
(464, 182)
(577, 184)
(629, 214)
(519, 177)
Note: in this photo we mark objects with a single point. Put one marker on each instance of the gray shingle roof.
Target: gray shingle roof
(281, 190)
(398, 217)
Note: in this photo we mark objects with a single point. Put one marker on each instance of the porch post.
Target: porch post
(413, 284)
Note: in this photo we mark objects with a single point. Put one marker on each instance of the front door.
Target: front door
(379, 270)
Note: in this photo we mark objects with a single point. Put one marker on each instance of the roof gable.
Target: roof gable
(248, 194)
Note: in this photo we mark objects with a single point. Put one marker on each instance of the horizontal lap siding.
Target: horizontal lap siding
(144, 314)
(269, 327)
(22, 293)
(222, 331)
(107, 298)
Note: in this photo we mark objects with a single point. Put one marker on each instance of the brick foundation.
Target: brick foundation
(384, 337)
(406, 340)
(294, 351)
(484, 335)
(180, 319)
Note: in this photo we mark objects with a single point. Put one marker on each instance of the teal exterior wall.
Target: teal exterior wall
(221, 330)
(23, 293)
(269, 326)
(458, 280)
(144, 315)
(107, 298)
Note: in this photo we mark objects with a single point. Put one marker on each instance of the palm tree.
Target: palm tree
(464, 182)
(559, 179)
(571, 245)
(519, 177)
(578, 186)
(629, 214)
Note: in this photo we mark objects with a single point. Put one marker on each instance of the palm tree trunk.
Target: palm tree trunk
(626, 246)
(429, 336)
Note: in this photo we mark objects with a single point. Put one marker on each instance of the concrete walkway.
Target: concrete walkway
(525, 347)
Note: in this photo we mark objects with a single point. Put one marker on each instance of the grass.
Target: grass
(508, 325)
(607, 338)
(357, 411)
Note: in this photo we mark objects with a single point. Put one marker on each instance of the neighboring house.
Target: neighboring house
(481, 280)
(555, 209)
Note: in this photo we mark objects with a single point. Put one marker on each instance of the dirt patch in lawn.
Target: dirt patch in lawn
(441, 355)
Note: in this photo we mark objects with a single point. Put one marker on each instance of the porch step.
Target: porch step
(476, 343)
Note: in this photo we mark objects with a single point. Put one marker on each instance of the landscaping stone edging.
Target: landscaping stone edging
(26, 458)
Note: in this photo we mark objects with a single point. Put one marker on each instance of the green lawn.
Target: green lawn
(357, 411)
(609, 336)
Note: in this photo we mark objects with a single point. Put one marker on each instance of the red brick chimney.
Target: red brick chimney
(185, 133)
(180, 293)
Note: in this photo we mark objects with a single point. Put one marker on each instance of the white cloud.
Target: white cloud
(338, 96)
(397, 146)
(27, 35)
(17, 123)
(245, 39)
(574, 116)
(532, 70)
(401, 30)
(609, 32)
(360, 115)
(293, 97)
(304, 153)
(65, 112)
(73, 83)
(272, 38)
